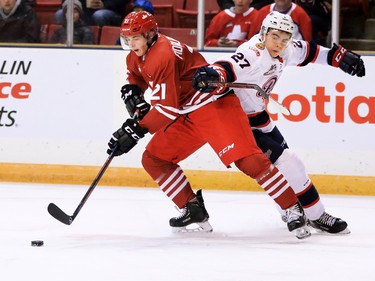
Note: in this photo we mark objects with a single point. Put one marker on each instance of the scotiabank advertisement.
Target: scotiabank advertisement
(61, 105)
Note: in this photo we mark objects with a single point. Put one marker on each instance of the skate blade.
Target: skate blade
(346, 231)
(194, 227)
(302, 232)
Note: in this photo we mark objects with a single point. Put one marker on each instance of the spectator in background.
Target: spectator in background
(107, 12)
(83, 34)
(18, 22)
(225, 4)
(100, 12)
(320, 15)
(302, 22)
(31, 3)
(259, 4)
(230, 28)
(143, 5)
(137, 6)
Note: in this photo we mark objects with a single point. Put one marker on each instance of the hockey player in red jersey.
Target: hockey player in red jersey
(261, 61)
(231, 27)
(182, 120)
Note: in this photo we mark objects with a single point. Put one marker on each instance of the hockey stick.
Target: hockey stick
(58, 214)
(282, 108)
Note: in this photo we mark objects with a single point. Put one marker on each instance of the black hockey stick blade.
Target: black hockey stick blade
(58, 214)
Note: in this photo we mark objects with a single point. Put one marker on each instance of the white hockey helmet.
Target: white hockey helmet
(279, 21)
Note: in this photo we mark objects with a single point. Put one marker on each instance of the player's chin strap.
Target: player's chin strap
(151, 40)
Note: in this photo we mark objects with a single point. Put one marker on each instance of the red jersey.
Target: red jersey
(167, 69)
(302, 21)
(231, 25)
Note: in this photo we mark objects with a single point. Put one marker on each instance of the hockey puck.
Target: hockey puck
(37, 243)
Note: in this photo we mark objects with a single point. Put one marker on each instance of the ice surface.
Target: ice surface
(123, 234)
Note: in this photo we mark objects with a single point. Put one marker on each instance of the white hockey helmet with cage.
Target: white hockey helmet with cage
(279, 21)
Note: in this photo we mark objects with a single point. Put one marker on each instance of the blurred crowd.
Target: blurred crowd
(236, 22)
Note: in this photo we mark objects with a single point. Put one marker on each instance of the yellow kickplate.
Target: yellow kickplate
(137, 177)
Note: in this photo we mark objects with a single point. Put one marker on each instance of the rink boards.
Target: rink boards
(55, 123)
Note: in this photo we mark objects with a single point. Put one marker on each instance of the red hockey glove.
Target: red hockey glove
(348, 61)
(205, 74)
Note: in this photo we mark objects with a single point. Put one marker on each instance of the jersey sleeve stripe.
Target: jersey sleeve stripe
(311, 54)
(231, 75)
(316, 53)
(166, 111)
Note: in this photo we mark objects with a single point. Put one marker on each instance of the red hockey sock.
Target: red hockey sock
(170, 178)
(176, 186)
(275, 184)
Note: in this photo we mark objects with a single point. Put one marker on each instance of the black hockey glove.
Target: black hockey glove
(125, 138)
(348, 61)
(206, 74)
(135, 104)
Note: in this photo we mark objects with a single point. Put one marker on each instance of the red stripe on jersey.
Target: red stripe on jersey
(198, 98)
(167, 112)
(153, 121)
(167, 70)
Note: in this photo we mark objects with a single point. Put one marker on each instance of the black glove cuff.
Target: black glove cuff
(132, 128)
(201, 78)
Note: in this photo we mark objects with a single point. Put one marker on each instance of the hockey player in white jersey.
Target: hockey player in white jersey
(261, 61)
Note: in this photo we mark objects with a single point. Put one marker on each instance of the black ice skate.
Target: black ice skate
(194, 217)
(296, 221)
(329, 224)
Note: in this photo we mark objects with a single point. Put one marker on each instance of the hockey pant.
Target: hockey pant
(224, 126)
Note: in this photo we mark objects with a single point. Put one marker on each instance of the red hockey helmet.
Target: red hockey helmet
(137, 23)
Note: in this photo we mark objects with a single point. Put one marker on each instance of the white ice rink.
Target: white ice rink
(123, 234)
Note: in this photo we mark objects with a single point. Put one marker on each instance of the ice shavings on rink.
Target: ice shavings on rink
(123, 234)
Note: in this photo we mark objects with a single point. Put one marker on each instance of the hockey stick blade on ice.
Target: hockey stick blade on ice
(280, 107)
(61, 216)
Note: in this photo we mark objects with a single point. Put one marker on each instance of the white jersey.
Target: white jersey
(252, 63)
